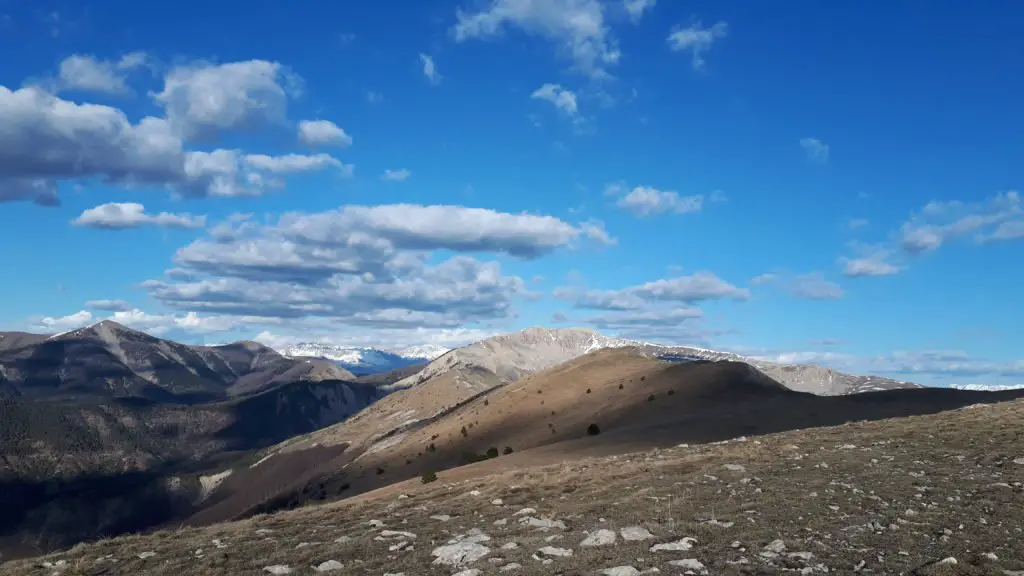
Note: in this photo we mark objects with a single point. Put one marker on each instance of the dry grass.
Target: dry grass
(886, 497)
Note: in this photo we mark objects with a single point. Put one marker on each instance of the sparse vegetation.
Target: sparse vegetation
(492, 452)
(507, 450)
(650, 398)
(593, 430)
(428, 477)
(432, 447)
(588, 390)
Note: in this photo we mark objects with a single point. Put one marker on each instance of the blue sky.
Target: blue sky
(802, 181)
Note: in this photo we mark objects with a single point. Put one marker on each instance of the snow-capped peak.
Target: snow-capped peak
(425, 352)
(365, 360)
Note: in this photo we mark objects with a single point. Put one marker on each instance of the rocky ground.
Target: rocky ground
(937, 494)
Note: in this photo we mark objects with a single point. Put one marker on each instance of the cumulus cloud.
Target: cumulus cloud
(109, 305)
(295, 163)
(430, 69)
(872, 260)
(561, 98)
(941, 363)
(814, 286)
(998, 218)
(203, 100)
(636, 8)
(400, 175)
(63, 323)
(648, 201)
(49, 140)
(697, 40)
(322, 133)
(577, 26)
(658, 303)
(364, 265)
(116, 216)
(86, 73)
(815, 150)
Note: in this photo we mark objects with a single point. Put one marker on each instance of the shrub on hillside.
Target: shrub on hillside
(508, 450)
(492, 452)
(650, 398)
(428, 477)
(593, 430)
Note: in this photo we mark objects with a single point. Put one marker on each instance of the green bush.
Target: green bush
(492, 452)
(508, 450)
(593, 430)
(428, 477)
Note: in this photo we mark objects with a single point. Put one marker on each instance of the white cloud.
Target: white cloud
(365, 265)
(938, 222)
(322, 133)
(295, 163)
(48, 139)
(814, 286)
(942, 363)
(648, 201)
(816, 150)
(636, 8)
(430, 69)
(109, 305)
(577, 26)
(698, 287)
(86, 73)
(122, 215)
(204, 100)
(765, 278)
(697, 39)
(400, 175)
(74, 321)
(872, 260)
(564, 100)
(857, 223)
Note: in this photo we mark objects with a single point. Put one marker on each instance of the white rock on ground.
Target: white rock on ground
(329, 566)
(635, 534)
(460, 553)
(552, 552)
(620, 571)
(278, 569)
(470, 572)
(690, 564)
(542, 523)
(599, 538)
(148, 554)
(510, 566)
(681, 545)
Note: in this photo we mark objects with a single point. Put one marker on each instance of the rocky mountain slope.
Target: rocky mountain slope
(108, 360)
(511, 356)
(82, 469)
(363, 361)
(927, 495)
(637, 401)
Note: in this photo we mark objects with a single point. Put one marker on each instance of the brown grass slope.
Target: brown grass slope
(892, 496)
(637, 402)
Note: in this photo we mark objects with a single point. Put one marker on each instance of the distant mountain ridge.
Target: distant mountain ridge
(113, 361)
(363, 361)
(511, 356)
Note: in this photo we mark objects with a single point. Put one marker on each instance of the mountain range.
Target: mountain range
(159, 433)
(363, 361)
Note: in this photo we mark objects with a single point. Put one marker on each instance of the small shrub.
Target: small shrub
(380, 471)
(428, 477)
(650, 398)
(492, 452)
(588, 390)
(620, 385)
(642, 378)
(431, 448)
(671, 392)
(507, 450)
(593, 430)
(464, 431)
